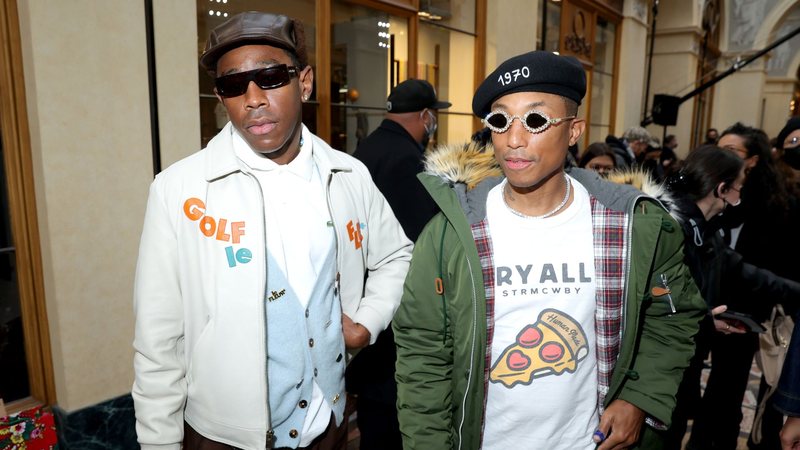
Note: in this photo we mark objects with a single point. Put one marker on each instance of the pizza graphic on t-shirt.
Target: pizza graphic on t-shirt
(554, 344)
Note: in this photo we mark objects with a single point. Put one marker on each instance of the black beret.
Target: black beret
(537, 71)
(792, 125)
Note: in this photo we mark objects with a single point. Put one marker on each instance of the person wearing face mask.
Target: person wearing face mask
(393, 152)
(709, 182)
(393, 155)
(788, 146)
(762, 232)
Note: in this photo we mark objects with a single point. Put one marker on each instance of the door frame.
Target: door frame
(16, 141)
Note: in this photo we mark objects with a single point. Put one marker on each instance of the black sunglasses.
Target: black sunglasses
(235, 84)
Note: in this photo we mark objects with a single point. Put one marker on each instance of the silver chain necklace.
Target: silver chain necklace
(545, 215)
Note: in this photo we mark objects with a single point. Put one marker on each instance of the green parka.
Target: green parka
(440, 327)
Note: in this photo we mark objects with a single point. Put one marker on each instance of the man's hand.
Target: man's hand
(790, 434)
(355, 335)
(620, 425)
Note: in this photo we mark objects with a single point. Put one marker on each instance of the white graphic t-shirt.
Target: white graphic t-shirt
(543, 377)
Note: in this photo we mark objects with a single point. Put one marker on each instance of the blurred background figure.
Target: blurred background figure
(711, 136)
(787, 149)
(671, 142)
(669, 162)
(650, 160)
(787, 396)
(482, 136)
(637, 139)
(710, 180)
(393, 155)
(622, 158)
(598, 157)
(763, 230)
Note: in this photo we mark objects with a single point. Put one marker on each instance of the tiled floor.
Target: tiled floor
(748, 405)
(748, 410)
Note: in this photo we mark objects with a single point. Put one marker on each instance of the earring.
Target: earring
(305, 98)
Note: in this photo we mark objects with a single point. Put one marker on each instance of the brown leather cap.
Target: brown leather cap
(255, 28)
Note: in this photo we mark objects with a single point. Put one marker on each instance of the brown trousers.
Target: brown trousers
(333, 438)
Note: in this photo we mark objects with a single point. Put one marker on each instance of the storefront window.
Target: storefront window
(211, 13)
(369, 55)
(549, 22)
(455, 14)
(14, 375)
(446, 59)
(602, 79)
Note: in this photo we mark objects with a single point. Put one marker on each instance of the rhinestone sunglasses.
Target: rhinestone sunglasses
(235, 84)
(534, 121)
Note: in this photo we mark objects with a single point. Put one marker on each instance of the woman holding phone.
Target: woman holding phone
(709, 181)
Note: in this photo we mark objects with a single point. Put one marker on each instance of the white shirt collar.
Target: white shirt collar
(302, 165)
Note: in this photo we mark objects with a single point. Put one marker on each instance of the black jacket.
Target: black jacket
(720, 271)
(394, 159)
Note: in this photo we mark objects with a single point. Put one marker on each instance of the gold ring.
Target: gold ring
(727, 327)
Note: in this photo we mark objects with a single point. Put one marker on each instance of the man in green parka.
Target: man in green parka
(543, 309)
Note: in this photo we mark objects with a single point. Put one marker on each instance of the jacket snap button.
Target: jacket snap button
(315, 372)
(311, 342)
(339, 358)
(293, 433)
(307, 313)
(303, 403)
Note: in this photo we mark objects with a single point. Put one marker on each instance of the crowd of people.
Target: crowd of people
(735, 198)
(506, 292)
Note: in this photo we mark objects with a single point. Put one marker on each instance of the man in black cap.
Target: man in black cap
(250, 286)
(542, 309)
(393, 154)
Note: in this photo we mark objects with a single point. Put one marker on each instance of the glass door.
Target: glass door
(369, 56)
(14, 383)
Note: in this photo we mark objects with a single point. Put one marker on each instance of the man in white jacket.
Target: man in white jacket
(250, 280)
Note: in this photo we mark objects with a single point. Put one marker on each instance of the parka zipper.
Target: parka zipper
(471, 355)
(625, 291)
(337, 281)
(628, 245)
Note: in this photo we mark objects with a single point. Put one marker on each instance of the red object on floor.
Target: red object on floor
(32, 429)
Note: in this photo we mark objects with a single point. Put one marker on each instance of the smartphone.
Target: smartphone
(746, 320)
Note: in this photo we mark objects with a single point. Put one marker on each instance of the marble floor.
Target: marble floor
(748, 405)
(748, 411)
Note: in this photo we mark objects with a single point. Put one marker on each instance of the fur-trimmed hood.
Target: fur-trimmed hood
(680, 210)
(471, 171)
(469, 164)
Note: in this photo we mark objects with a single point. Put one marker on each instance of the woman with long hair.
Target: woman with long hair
(709, 182)
(762, 231)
